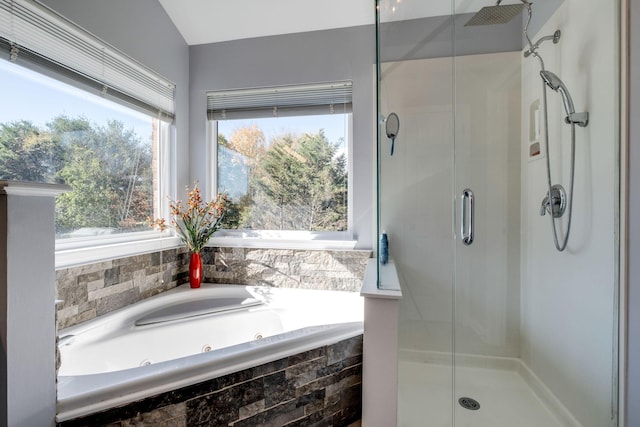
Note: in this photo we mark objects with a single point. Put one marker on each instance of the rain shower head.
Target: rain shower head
(491, 15)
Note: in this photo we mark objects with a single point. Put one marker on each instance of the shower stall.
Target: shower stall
(498, 191)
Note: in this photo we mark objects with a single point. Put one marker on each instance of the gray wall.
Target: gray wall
(318, 56)
(633, 296)
(143, 30)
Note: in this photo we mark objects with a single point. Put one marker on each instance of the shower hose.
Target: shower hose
(560, 246)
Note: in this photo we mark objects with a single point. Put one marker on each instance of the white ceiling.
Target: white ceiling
(210, 21)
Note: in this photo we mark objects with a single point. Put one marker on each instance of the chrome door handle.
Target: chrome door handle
(466, 220)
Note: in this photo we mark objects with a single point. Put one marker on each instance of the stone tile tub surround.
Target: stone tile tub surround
(95, 289)
(320, 387)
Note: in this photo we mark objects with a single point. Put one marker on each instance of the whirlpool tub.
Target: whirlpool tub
(186, 336)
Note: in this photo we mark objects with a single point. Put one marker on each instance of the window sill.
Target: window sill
(71, 257)
(272, 242)
(73, 253)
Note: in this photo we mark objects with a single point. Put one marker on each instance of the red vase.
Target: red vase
(195, 270)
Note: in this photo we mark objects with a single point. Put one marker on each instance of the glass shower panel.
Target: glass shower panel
(415, 187)
(417, 218)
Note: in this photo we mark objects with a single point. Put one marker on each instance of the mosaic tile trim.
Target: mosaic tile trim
(92, 290)
(320, 387)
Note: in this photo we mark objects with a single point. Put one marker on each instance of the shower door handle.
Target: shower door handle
(466, 217)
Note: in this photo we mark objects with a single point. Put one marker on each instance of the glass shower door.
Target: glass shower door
(535, 333)
(497, 327)
(487, 154)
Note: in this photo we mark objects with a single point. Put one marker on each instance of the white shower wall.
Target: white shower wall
(568, 299)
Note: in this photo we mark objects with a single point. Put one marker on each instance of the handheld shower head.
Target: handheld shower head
(556, 84)
(551, 79)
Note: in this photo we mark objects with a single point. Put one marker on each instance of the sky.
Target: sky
(334, 126)
(27, 95)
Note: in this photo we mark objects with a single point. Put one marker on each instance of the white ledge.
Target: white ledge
(389, 287)
(26, 188)
(283, 240)
(88, 255)
(71, 252)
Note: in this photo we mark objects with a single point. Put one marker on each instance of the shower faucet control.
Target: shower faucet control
(556, 204)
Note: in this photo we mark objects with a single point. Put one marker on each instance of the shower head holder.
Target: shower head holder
(553, 81)
(580, 119)
(555, 37)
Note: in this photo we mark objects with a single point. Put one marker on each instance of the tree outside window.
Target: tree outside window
(289, 180)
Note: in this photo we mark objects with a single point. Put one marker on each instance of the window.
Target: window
(107, 153)
(287, 171)
(84, 114)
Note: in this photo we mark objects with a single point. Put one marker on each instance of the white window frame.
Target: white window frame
(71, 252)
(281, 239)
(44, 41)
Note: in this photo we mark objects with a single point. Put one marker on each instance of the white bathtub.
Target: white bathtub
(185, 336)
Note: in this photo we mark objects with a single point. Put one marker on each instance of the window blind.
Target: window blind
(279, 101)
(29, 28)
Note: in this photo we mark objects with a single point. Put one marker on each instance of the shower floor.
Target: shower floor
(425, 398)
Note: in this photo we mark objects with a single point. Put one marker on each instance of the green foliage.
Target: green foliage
(300, 184)
(107, 167)
(28, 154)
(293, 183)
(222, 140)
(109, 170)
(232, 216)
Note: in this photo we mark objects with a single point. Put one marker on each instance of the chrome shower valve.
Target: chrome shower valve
(556, 204)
